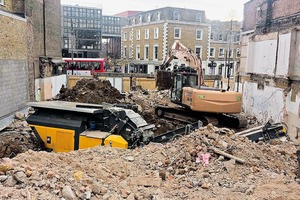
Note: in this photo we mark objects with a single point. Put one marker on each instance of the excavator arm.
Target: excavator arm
(182, 53)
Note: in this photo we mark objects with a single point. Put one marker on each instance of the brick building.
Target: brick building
(147, 37)
(224, 38)
(270, 62)
(25, 38)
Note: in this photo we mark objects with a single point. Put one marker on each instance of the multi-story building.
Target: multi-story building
(224, 50)
(270, 62)
(87, 33)
(147, 37)
(31, 34)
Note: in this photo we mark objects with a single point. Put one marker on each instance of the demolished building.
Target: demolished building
(270, 62)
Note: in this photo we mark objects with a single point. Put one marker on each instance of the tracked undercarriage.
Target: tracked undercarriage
(190, 116)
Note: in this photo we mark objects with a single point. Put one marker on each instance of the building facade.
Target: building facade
(147, 37)
(29, 32)
(224, 47)
(270, 62)
(86, 33)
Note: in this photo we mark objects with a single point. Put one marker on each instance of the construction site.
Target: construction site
(166, 104)
(208, 162)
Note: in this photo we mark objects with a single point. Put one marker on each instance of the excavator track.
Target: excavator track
(189, 116)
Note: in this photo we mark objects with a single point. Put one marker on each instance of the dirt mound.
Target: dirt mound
(147, 101)
(186, 168)
(17, 138)
(92, 91)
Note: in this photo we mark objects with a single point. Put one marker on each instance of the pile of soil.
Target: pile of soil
(186, 168)
(17, 138)
(92, 91)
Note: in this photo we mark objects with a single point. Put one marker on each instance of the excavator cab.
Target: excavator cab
(182, 77)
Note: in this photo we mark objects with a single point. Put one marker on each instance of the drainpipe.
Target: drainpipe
(44, 27)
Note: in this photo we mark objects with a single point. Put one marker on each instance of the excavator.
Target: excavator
(196, 100)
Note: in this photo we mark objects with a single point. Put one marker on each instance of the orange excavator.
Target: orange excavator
(198, 101)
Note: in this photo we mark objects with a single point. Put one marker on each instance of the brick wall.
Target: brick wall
(34, 12)
(13, 85)
(53, 28)
(22, 44)
(251, 15)
(13, 65)
(283, 8)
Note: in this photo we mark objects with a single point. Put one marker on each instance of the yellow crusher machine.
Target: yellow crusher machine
(65, 126)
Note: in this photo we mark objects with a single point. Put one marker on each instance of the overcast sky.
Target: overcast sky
(214, 9)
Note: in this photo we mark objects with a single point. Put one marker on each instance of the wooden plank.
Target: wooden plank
(144, 181)
(218, 151)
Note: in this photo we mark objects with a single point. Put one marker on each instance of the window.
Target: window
(146, 52)
(155, 52)
(138, 35)
(130, 52)
(158, 16)
(131, 35)
(221, 52)
(149, 18)
(238, 53)
(156, 33)
(212, 52)
(198, 51)
(238, 37)
(212, 36)
(177, 33)
(138, 52)
(140, 19)
(230, 38)
(229, 53)
(176, 16)
(125, 36)
(133, 20)
(146, 34)
(220, 37)
(198, 17)
(124, 52)
(198, 34)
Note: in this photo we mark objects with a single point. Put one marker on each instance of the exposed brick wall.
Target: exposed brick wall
(251, 15)
(34, 12)
(255, 12)
(53, 28)
(22, 44)
(14, 87)
(283, 8)
(12, 39)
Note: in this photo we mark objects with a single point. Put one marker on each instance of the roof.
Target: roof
(68, 106)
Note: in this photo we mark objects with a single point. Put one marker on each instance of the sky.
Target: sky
(215, 9)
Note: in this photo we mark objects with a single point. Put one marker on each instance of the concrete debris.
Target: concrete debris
(163, 171)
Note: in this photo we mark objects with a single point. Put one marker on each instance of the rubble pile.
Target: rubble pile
(92, 91)
(17, 138)
(147, 101)
(185, 168)
(99, 91)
